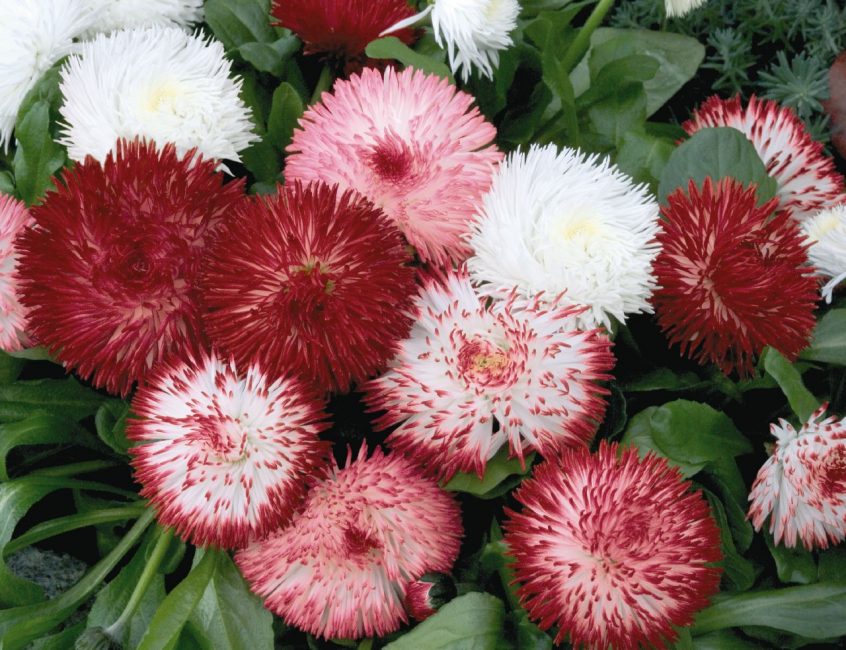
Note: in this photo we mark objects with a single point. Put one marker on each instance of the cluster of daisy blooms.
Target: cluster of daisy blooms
(469, 295)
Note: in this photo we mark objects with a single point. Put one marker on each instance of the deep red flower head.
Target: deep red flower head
(733, 279)
(310, 282)
(109, 270)
(614, 550)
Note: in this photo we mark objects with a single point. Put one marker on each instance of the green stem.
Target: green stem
(580, 44)
(75, 468)
(324, 82)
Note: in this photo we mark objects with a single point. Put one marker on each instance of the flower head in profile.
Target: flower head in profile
(826, 233)
(14, 219)
(157, 83)
(312, 282)
(109, 270)
(802, 486)
(679, 8)
(412, 144)
(565, 222)
(342, 567)
(614, 550)
(111, 15)
(807, 178)
(427, 595)
(733, 280)
(224, 456)
(473, 377)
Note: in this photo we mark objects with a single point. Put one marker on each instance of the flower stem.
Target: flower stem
(580, 44)
(324, 82)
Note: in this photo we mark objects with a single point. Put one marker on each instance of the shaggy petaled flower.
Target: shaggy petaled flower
(567, 222)
(615, 551)
(120, 14)
(679, 8)
(34, 34)
(733, 280)
(472, 378)
(156, 83)
(826, 233)
(225, 456)
(427, 595)
(14, 218)
(342, 567)
(312, 282)
(802, 486)
(108, 272)
(410, 143)
(807, 179)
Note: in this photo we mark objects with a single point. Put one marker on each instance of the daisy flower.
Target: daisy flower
(109, 269)
(679, 8)
(342, 567)
(223, 456)
(733, 280)
(802, 486)
(826, 233)
(473, 377)
(311, 281)
(111, 15)
(158, 83)
(412, 144)
(565, 222)
(14, 219)
(614, 550)
(807, 179)
(427, 595)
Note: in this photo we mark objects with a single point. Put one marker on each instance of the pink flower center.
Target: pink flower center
(149, 264)
(222, 437)
(307, 290)
(484, 363)
(357, 542)
(392, 160)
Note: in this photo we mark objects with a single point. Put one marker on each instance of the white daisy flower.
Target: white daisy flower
(565, 222)
(158, 83)
(112, 15)
(826, 232)
(679, 8)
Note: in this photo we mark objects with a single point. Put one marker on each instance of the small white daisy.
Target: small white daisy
(826, 232)
(158, 83)
(120, 14)
(565, 222)
(679, 8)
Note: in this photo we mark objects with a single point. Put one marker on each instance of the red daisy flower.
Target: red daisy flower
(310, 282)
(109, 269)
(733, 280)
(616, 551)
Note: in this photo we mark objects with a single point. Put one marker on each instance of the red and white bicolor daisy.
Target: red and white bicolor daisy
(313, 282)
(109, 269)
(802, 486)
(14, 219)
(732, 278)
(473, 377)
(411, 143)
(615, 550)
(224, 455)
(342, 567)
(424, 597)
(807, 178)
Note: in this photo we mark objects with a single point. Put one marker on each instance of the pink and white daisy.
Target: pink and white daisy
(412, 144)
(224, 456)
(807, 179)
(614, 550)
(14, 219)
(802, 486)
(472, 377)
(342, 567)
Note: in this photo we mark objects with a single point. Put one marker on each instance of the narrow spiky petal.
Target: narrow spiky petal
(826, 234)
(111, 15)
(14, 219)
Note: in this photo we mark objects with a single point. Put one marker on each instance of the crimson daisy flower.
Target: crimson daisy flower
(224, 456)
(14, 219)
(109, 269)
(343, 566)
(311, 282)
(733, 280)
(614, 550)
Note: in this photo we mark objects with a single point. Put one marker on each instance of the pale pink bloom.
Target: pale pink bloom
(411, 143)
(802, 486)
(342, 567)
(472, 377)
(14, 218)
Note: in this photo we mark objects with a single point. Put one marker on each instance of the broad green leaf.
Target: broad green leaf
(236, 22)
(529, 635)
(59, 397)
(643, 156)
(59, 641)
(37, 429)
(110, 422)
(722, 640)
(37, 156)
(616, 75)
(738, 572)
(832, 566)
(263, 161)
(829, 342)
(286, 108)
(393, 48)
(498, 469)
(793, 565)
(664, 379)
(38, 353)
(7, 183)
(624, 110)
(801, 400)
(270, 57)
(727, 479)
(10, 368)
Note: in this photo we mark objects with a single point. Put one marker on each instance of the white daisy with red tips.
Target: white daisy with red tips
(473, 377)
(807, 178)
(342, 567)
(14, 218)
(223, 457)
(802, 486)
(826, 234)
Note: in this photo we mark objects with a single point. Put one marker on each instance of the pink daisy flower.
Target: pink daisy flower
(802, 486)
(427, 595)
(409, 142)
(14, 219)
(473, 377)
(615, 550)
(224, 456)
(807, 179)
(342, 567)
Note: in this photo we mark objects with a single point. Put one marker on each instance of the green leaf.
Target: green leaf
(717, 152)
(832, 566)
(498, 469)
(263, 161)
(722, 640)
(60, 397)
(393, 48)
(110, 422)
(236, 22)
(59, 641)
(270, 57)
(664, 379)
(643, 156)
(38, 429)
(801, 400)
(286, 108)
(738, 572)
(793, 565)
(829, 342)
(10, 368)
(726, 477)
(37, 156)
(472, 621)
(7, 183)
(617, 74)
